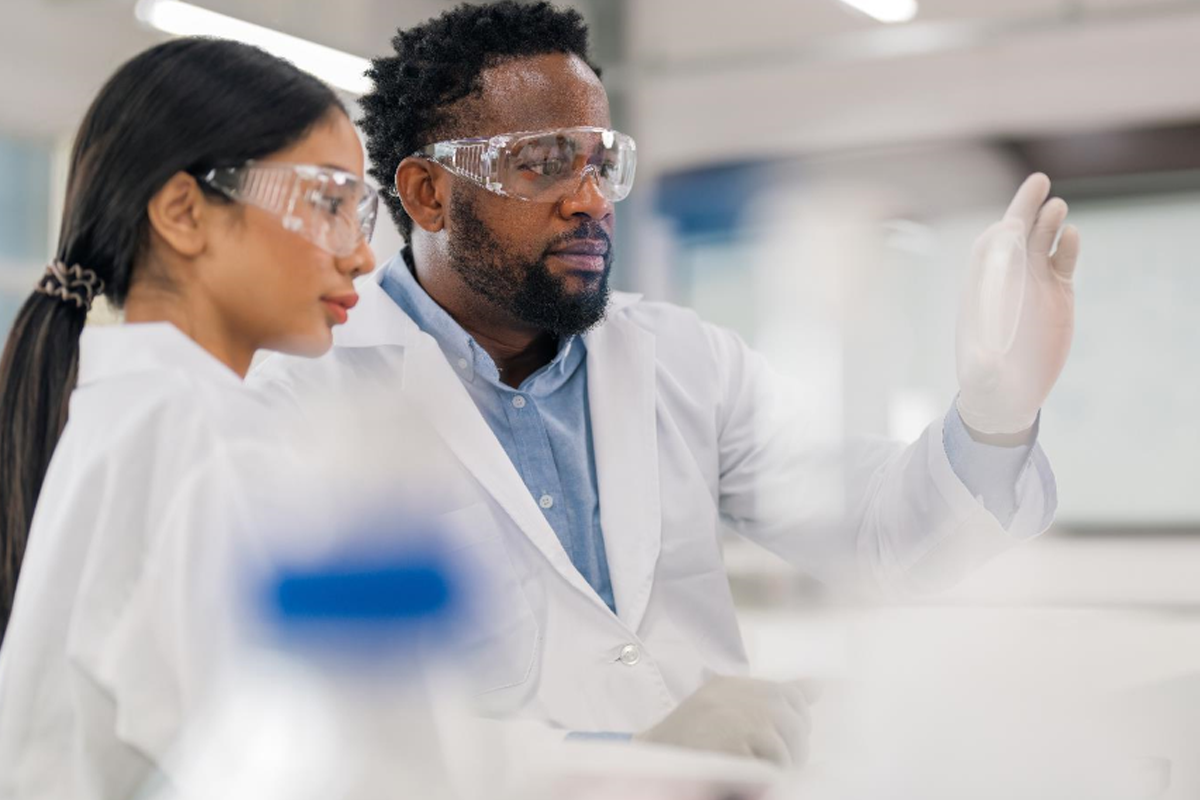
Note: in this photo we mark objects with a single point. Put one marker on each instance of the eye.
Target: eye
(548, 168)
(334, 205)
(545, 157)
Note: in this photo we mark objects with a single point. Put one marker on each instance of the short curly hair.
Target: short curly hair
(440, 62)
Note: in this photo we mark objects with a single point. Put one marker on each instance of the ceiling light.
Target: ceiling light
(336, 68)
(886, 10)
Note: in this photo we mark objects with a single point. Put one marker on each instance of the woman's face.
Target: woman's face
(275, 288)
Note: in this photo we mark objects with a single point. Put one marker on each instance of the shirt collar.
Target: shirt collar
(460, 348)
(108, 351)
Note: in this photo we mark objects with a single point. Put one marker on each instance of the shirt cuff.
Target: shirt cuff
(598, 736)
(990, 472)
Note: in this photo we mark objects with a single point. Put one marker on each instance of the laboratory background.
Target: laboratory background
(812, 174)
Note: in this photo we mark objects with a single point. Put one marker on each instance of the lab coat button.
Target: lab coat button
(518, 402)
(546, 501)
(630, 655)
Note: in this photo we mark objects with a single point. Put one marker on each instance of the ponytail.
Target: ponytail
(188, 105)
(37, 375)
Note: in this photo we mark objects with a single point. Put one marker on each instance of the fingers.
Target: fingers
(769, 745)
(809, 688)
(792, 720)
(795, 731)
(1041, 221)
(1028, 201)
(742, 716)
(793, 711)
(1067, 254)
(1049, 220)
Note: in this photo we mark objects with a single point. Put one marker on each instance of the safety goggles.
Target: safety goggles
(332, 209)
(543, 166)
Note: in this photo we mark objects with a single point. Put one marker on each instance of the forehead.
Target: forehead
(332, 142)
(535, 93)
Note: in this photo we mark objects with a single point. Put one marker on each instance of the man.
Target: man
(602, 440)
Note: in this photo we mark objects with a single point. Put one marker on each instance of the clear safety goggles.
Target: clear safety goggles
(543, 166)
(333, 209)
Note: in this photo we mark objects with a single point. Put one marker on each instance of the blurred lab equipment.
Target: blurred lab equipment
(331, 697)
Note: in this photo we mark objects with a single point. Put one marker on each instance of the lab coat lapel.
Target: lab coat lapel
(622, 396)
(432, 387)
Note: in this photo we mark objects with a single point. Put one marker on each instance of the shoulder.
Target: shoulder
(653, 315)
(295, 381)
(371, 342)
(680, 334)
(168, 415)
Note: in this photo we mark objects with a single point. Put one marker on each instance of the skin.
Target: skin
(535, 93)
(232, 278)
(539, 93)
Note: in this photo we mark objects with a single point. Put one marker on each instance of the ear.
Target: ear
(424, 192)
(177, 215)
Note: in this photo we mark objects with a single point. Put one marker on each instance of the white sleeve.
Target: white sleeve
(868, 512)
(162, 653)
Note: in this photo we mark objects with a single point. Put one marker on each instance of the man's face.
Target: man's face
(545, 264)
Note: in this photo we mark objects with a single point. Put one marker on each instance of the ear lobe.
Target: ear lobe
(176, 214)
(421, 192)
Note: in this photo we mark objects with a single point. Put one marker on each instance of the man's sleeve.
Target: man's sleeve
(851, 510)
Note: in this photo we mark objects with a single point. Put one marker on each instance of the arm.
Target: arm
(862, 512)
(869, 511)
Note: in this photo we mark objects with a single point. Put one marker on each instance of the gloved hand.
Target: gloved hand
(1018, 313)
(741, 717)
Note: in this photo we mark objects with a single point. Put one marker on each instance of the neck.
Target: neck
(150, 303)
(517, 349)
(517, 354)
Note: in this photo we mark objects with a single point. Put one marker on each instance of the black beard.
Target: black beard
(526, 290)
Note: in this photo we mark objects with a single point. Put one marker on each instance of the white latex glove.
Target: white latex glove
(741, 717)
(1018, 313)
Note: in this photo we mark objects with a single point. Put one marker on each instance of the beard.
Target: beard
(526, 290)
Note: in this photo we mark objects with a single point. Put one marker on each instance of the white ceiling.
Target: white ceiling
(55, 54)
(679, 30)
(811, 77)
(706, 79)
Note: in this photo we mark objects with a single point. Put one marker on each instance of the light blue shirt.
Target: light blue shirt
(989, 472)
(545, 427)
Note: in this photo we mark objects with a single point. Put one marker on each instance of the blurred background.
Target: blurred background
(812, 175)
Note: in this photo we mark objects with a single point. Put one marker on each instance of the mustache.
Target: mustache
(590, 230)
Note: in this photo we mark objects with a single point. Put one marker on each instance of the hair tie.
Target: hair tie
(70, 284)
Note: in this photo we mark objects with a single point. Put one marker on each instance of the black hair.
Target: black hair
(187, 105)
(438, 63)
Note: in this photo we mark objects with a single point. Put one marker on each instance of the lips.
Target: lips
(339, 306)
(586, 255)
(585, 247)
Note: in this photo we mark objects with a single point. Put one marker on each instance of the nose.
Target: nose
(359, 262)
(587, 199)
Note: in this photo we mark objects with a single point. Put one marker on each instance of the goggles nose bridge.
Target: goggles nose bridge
(593, 171)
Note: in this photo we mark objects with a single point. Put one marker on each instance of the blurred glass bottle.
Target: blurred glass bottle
(331, 698)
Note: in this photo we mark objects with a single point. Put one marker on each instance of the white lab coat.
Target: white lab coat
(124, 602)
(691, 430)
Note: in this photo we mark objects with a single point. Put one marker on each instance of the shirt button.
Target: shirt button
(546, 501)
(630, 655)
(462, 363)
(518, 402)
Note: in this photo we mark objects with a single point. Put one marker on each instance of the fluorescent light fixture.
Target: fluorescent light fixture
(886, 10)
(336, 68)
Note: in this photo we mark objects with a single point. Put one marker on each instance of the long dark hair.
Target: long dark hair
(184, 106)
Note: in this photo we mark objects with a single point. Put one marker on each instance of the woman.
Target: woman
(216, 195)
